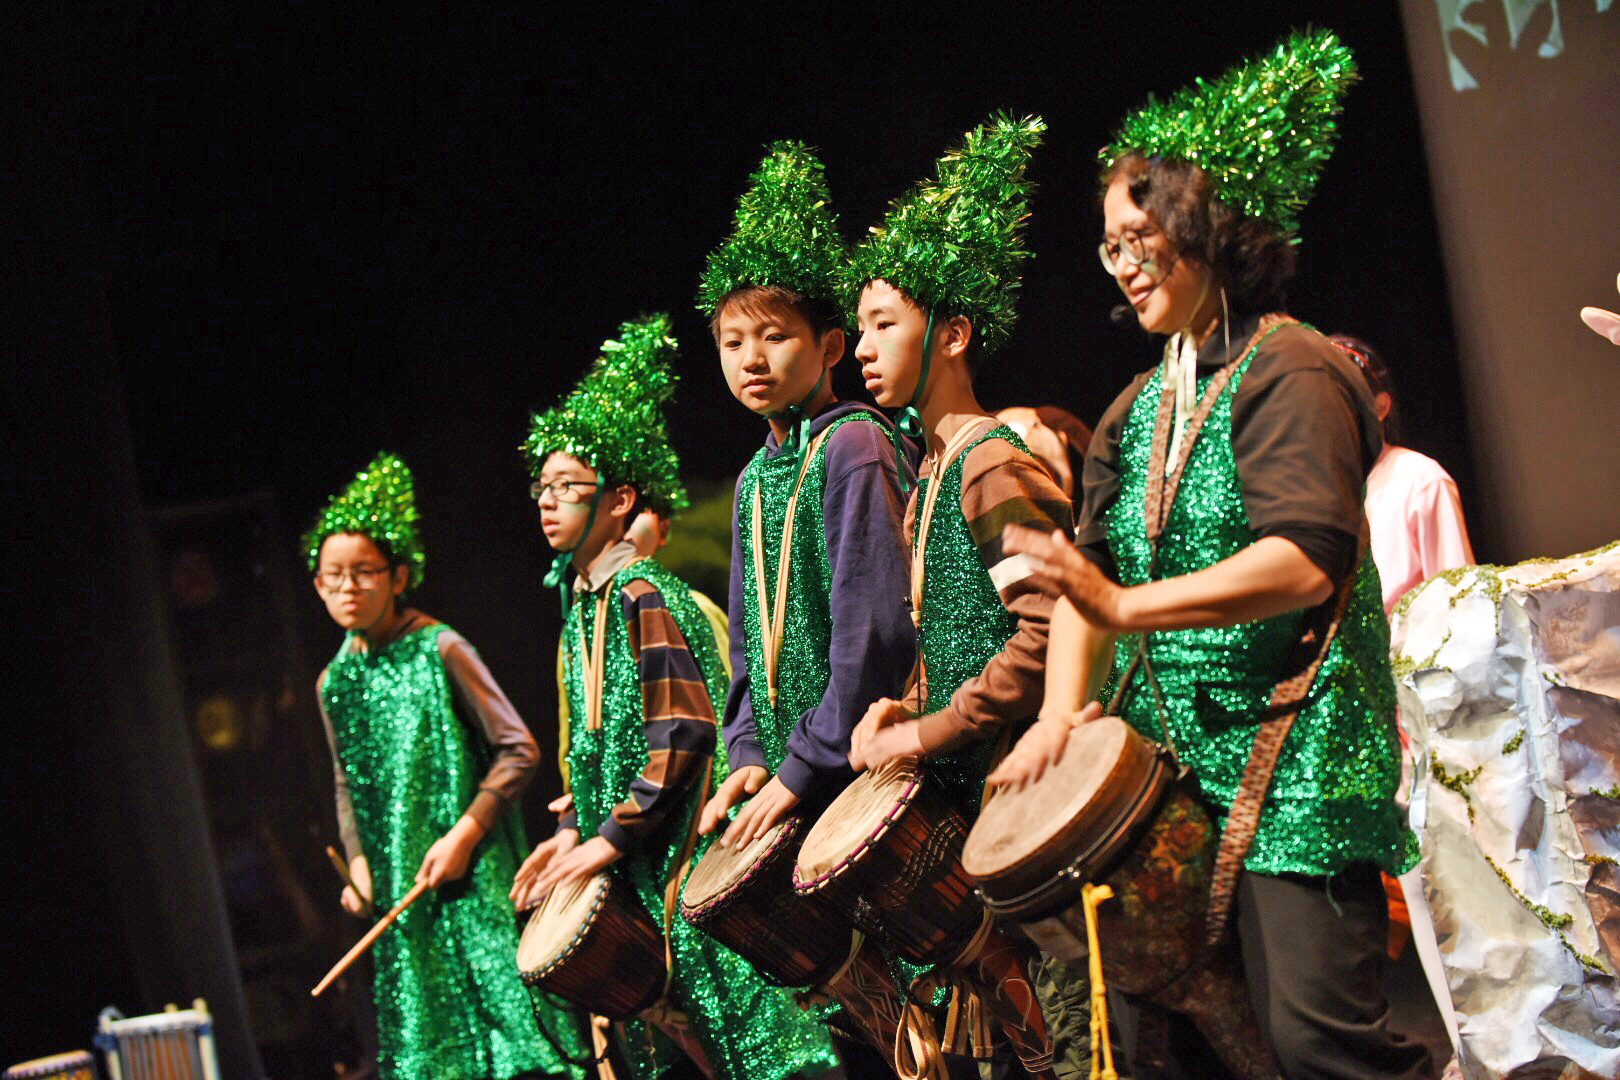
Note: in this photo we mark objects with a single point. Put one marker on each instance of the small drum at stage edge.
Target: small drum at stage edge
(593, 943)
(73, 1065)
(887, 854)
(175, 1044)
(744, 899)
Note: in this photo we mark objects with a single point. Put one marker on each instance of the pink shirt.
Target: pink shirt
(1416, 521)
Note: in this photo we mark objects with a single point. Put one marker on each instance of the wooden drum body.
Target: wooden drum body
(744, 899)
(887, 854)
(592, 943)
(1113, 812)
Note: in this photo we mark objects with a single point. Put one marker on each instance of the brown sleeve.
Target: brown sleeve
(348, 830)
(1002, 485)
(485, 707)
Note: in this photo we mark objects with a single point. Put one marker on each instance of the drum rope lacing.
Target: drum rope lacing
(772, 628)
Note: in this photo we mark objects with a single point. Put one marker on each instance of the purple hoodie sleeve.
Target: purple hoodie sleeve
(874, 643)
(737, 726)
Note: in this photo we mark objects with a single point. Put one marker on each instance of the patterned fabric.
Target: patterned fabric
(748, 1029)
(449, 1000)
(983, 629)
(1331, 801)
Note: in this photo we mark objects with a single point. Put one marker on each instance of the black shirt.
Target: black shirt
(1305, 433)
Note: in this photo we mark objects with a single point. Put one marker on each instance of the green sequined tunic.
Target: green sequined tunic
(751, 1031)
(964, 623)
(1331, 800)
(803, 670)
(449, 1000)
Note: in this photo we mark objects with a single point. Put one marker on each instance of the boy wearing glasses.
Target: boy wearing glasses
(643, 670)
(430, 759)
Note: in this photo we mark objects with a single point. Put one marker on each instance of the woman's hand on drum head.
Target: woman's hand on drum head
(886, 732)
(1061, 570)
(732, 790)
(1041, 747)
(591, 857)
(760, 816)
(522, 894)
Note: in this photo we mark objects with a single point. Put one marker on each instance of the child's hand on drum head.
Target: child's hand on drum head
(353, 901)
(760, 816)
(740, 784)
(523, 893)
(594, 855)
(1041, 747)
(887, 731)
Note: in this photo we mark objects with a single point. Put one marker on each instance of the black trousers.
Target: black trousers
(1313, 954)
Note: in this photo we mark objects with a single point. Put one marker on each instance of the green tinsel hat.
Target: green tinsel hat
(614, 419)
(785, 233)
(955, 244)
(379, 503)
(1261, 132)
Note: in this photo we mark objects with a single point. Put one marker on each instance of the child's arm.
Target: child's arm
(484, 707)
(679, 726)
(348, 830)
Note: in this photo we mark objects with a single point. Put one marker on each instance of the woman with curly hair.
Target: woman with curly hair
(1218, 559)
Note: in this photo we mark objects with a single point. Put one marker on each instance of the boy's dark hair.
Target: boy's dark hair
(762, 300)
(1376, 372)
(1251, 259)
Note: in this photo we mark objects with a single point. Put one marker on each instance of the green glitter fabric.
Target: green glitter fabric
(803, 669)
(964, 623)
(1261, 132)
(379, 503)
(956, 243)
(785, 233)
(751, 1031)
(1331, 800)
(449, 1000)
(614, 419)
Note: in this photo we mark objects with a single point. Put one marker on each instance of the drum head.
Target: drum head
(1018, 824)
(559, 922)
(722, 869)
(860, 814)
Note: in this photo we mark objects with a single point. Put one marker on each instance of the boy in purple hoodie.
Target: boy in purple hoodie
(820, 571)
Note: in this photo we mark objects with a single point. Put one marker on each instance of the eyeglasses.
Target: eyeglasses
(1130, 250)
(366, 577)
(564, 490)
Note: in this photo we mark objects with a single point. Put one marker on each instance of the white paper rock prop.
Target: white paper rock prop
(1509, 682)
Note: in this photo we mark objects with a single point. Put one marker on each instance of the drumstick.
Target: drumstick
(343, 872)
(371, 937)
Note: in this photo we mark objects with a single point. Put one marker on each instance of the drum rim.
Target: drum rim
(531, 977)
(1160, 785)
(76, 1059)
(790, 828)
(902, 803)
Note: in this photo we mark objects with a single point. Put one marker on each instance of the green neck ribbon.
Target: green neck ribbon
(799, 421)
(908, 421)
(559, 566)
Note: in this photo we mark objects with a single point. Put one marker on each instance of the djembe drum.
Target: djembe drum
(743, 897)
(1112, 811)
(592, 943)
(176, 1044)
(887, 853)
(73, 1065)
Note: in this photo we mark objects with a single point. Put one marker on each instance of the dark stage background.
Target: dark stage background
(277, 242)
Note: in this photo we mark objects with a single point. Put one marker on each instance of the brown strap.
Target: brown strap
(772, 616)
(683, 866)
(1243, 820)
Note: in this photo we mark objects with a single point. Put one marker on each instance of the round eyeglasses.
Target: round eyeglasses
(564, 490)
